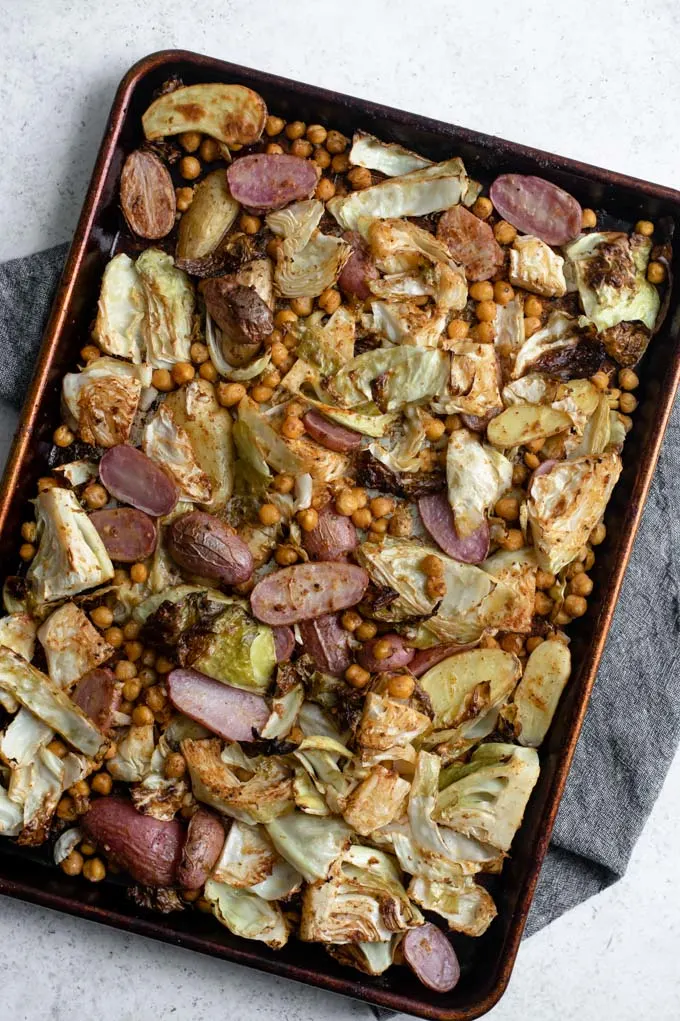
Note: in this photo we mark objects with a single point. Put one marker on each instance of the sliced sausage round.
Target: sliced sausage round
(537, 207)
(471, 243)
(202, 848)
(334, 536)
(358, 269)
(431, 957)
(129, 535)
(229, 712)
(330, 434)
(305, 591)
(399, 654)
(149, 849)
(99, 695)
(132, 477)
(327, 642)
(263, 182)
(202, 544)
(284, 643)
(435, 511)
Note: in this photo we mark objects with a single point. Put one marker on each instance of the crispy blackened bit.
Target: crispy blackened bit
(228, 257)
(578, 362)
(270, 745)
(373, 474)
(156, 899)
(626, 342)
(240, 313)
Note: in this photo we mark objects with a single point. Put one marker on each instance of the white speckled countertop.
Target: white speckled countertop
(595, 81)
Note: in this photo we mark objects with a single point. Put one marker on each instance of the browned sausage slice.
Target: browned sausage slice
(132, 477)
(327, 642)
(471, 243)
(537, 207)
(129, 535)
(305, 591)
(229, 712)
(270, 181)
(330, 434)
(98, 694)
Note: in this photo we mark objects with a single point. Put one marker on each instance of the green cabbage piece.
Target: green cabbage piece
(246, 914)
(209, 426)
(232, 647)
(120, 311)
(311, 844)
(486, 798)
(476, 475)
(169, 297)
(466, 906)
(611, 276)
(389, 158)
(406, 374)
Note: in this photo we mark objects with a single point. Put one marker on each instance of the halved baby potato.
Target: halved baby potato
(452, 683)
(208, 218)
(537, 694)
(232, 114)
(525, 422)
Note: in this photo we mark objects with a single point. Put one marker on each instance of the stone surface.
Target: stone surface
(597, 82)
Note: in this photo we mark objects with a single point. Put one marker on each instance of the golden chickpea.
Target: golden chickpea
(208, 372)
(589, 562)
(401, 686)
(285, 556)
(325, 189)
(340, 163)
(380, 525)
(184, 197)
(598, 534)
(435, 588)
(101, 617)
(432, 566)
(292, 428)
(644, 227)
(581, 585)
(27, 551)
(329, 300)
(125, 670)
(626, 422)
(209, 150)
(453, 422)
(508, 508)
(190, 140)
(543, 604)
(382, 648)
(301, 148)
(295, 409)
(346, 503)
(132, 690)
(274, 149)
(531, 325)
(504, 232)
(519, 474)
(274, 126)
(302, 306)
(279, 353)
(94, 870)
(360, 178)
(365, 631)
(295, 129)
(57, 748)
(63, 436)
(147, 676)
(481, 291)
(483, 207)
(307, 519)
(512, 540)
(483, 333)
(230, 394)
(503, 292)
(316, 134)
(600, 380)
(261, 394)
(101, 783)
(284, 317)
(627, 403)
(486, 311)
(111, 751)
(457, 329)
(351, 620)
(575, 606)
(131, 630)
(628, 379)
(90, 353)
(269, 514)
(531, 461)
(189, 168)
(336, 142)
(134, 650)
(361, 496)
(114, 636)
(322, 158)
(656, 272)
(544, 579)
(162, 380)
(512, 643)
(362, 518)
(72, 865)
(435, 429)
(87, 848)
(562, 618)
(66, 809)
(356, 676)
(588, 219)
(489, 642)
(199, 353)
(283, 483)
(381, 506)
(95, 496)
(142, 716)
(249, 224)
(175, 766)
(533, 643)
(533, 307)
(139, 573)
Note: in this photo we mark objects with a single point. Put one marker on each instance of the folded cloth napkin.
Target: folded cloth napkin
(632, 727)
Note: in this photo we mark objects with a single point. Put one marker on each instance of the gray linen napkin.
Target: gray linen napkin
(632, 727)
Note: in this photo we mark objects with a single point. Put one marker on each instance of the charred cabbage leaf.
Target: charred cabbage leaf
(169, 297)
(120, 311)
(246, 914)
(389, 158)
(610, 272)
(309, 843)
(72, 645)
(249, 861)
(195, 409)
(535, 267)
(392, 377)
(167, 443)
(476, 475)
(102, 400)
(377, 800)
(71, 556)
(231, 647)
(308, 261)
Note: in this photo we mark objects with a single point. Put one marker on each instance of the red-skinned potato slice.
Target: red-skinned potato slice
(204, 842)
(129, 535)
(265, 182)
(228, 712)
(284, 643)
(330, 434)
(358, 269)
(333, 537)
(471, 243)
(232, 114)
(306, 591)
(147, 196)
(203, 544)
(426, 658)
(98, 694)
(400, 655)
(131, 477)
(537, 207)
(327, 642)
(431, 957)
(149, 849)
(438, 519)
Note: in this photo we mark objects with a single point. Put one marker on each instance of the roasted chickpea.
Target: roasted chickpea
(325, 189)
(432, 566)
(190, 140)
(58, 748)
(531, 325)
(575, 606)
(483, 207)
(482, 290)
(533, 643)
(512, 540)
(356, 676)
(269, 514)
(346, 503)
(199, 353)
(114, 636)
(381, 506)
(508, 508)
(283, 483)
(360, 178)
(307, 519)
(656, 272)
(72, 865)
(208, 372)
(230, 394)
(102, 784)
(162, 380)
(142, 716)
(302, 306)
(261, 394)
(543, 604)
(627, 403)
(132, 690)
(453, 422)
(292, 428)
(184, 197)
(366, 630)
(434, 429)
(628, 379)
(90, 353)
(316, 134)
(175, 766)
(295, 129)
(483, 333)
(336, 142)
(362, 517)
(27, 551)
(512, 643)
(284, 317)
(94, 870)
(351, 620)
(581, 585)
(274, 126)
(504, 232)
(273, 149)
(503, 292)
(340, 163)
(249, 224)
(457, 329)
(435, 588)
(66, 809)
(139, 573)
(598, 534)
(209, 150)
(131, 630)
(544, 579)
(380, 525)
(189, 168)
(644, 227)
(63, 436)
(285, 556)
(401, 686)
(125, 670)
(133, 650)
(329, 300)
(322, 158)
(588, 219)
(101, 617)
(382, 648)
(302, 148)
(486, 311)
(533, 307)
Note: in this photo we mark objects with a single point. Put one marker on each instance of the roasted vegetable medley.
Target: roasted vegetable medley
(290, 623)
